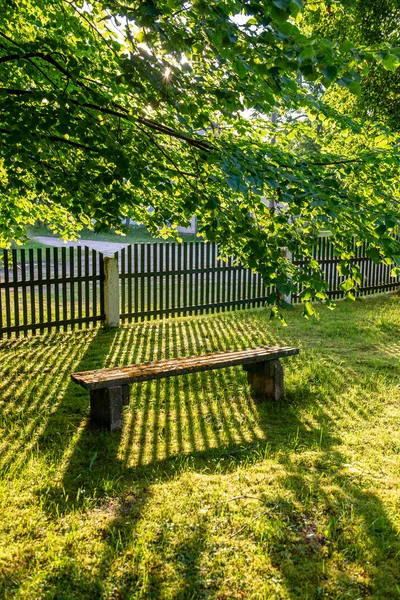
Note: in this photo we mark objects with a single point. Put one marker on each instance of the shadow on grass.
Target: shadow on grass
(205, 422)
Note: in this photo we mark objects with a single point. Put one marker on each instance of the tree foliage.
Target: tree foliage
(368, 24)
(109, 108)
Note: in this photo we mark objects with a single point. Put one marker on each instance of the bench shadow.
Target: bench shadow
(203, 422)
(285, 436)
(341, 496)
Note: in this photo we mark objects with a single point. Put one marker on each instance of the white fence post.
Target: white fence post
(111, 291)
(285, 252)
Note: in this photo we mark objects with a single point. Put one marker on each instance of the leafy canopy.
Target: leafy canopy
(365, 24)
(110, 108)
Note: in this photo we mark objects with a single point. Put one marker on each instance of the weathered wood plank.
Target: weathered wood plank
(117, 376)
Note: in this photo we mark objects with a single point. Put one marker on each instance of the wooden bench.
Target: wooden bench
(109, 388)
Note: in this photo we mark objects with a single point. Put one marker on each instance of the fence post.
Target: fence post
(111, 291)
(285, 252)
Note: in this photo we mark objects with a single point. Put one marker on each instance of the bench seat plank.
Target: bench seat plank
(120, 376)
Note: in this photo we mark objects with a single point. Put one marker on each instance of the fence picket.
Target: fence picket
(129, 282)
(71, 283)
(15, 287)
(141, 281)
(24, 294)
(99, 281)
(183, 277)
(87, 280)
(64, 287)
(254, 289)
(332, 271)
(48, 290)
(94, 282)
(223, 284)
(7, 283)
(40, 288)
(79, 273)
(161, 286)
(167, 277)
(234, 273)
(195, 266)
(136, 281)
(202, 277)
(32, 289)
(123, 280)
(208, 283)
(229, 286)
(56, 288)
(190, 250)
(155, 269)
(149, 278)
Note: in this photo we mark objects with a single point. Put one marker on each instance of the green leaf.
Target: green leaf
(92, 461)
(330, 72)
(307, 52)
(390, 62)
(347, 285)
(309, 310)
(355, 88)
(374, 254)
(309, 72)
(351, 297)
(283, 4)
(346, 46)
(343, 269)
(279, 15)
(241, 69)
(381, 229)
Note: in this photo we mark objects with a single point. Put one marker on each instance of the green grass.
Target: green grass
(205, 493)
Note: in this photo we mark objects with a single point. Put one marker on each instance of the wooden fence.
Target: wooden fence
(374, 278)
(62, 288)
(179, 279)
(54, 289)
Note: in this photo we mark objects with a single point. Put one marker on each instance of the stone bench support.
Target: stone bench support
(266, 379)
(106, 406)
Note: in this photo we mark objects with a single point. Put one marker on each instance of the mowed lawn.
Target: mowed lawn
(206, 493)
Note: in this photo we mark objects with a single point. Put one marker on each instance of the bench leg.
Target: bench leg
(266, 379)
(106, 406)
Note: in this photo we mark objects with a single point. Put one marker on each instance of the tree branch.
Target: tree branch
(338, 162)
(181, 173)
(56, 138)
(46, 57)
(123, 114)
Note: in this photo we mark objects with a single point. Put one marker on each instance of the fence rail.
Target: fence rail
(63, 288)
